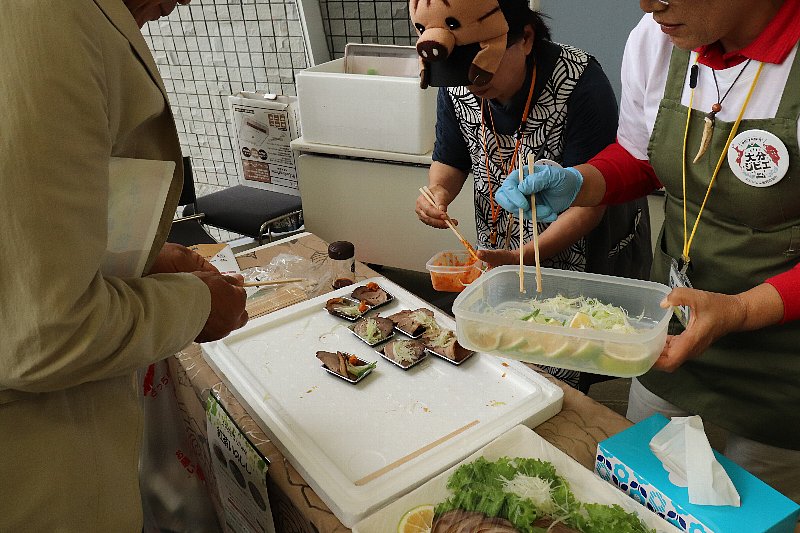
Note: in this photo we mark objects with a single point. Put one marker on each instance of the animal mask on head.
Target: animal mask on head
(444, 24)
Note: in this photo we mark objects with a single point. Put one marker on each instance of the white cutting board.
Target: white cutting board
(519, 442)
(360, 446)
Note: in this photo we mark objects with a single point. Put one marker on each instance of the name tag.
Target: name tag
(678, 278)
(758, 158)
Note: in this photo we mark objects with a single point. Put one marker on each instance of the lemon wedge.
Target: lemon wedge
(417, 520)
(484, 338)
(581, 320)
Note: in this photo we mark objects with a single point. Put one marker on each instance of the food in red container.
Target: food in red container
(452, 271)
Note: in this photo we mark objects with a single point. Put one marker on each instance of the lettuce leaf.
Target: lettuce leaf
(598, 518)
(480, 486)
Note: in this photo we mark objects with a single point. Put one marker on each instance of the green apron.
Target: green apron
(748, 383)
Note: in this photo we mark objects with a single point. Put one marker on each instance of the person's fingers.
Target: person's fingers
(425, 209)
(511, 199)
(234, 279)
(680, 348)
(677, 296)
(435, 221)
(243, 318)
(534, 183)
(496, 258)
(545, 214)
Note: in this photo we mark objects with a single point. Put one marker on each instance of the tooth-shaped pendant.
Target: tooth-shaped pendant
(708, 132)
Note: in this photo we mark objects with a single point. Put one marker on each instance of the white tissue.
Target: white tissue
(683, 449)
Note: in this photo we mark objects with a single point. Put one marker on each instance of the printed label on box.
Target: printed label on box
(240, 471)
(264, 126)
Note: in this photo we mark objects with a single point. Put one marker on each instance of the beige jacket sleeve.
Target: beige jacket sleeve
(76, 90)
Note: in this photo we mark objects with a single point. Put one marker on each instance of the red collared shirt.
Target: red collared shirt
(628, 177)
(771, 46)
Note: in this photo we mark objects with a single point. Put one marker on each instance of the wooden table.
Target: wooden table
(576, 430)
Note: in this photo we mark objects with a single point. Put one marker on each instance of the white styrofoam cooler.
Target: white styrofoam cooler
(362, 446)
(373, 112)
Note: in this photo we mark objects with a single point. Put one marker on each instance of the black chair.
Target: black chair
(188, 230)
(249, 211)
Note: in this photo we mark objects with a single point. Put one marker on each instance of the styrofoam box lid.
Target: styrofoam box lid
(360, 446)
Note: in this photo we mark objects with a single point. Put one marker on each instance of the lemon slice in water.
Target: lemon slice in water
(625, 359)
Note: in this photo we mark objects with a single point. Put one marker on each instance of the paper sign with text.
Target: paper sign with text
(240, 471)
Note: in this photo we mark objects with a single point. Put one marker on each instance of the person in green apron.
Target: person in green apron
(709, 111)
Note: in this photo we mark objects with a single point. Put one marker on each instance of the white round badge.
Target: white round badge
(758, 158)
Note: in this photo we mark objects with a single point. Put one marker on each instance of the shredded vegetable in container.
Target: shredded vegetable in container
(578, 312)
(582, 321)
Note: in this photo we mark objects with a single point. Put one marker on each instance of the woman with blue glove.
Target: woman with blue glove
(546, 99)
(710, 109)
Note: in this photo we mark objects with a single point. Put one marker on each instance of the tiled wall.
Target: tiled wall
(370, 21)
(211, 49)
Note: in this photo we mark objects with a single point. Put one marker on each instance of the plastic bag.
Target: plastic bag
(316, 277)
(175, 495)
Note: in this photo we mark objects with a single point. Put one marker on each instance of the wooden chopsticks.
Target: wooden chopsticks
(531, 161)
(271, 282)
(428, 196)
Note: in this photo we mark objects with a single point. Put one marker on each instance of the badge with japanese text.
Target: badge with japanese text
(240, 471)
(758, 158)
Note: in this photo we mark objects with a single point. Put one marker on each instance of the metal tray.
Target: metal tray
(353, 329)
(451, 361)
(347, 379)
(342, 315)
(389, 297)
(397, 363)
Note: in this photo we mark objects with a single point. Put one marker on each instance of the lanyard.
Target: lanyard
(688, 238)
(518, 135)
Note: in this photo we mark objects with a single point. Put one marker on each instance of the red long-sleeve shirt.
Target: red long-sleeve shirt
(628, 178)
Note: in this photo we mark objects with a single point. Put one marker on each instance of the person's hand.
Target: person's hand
(227, 305)
(712, 316)
(555, 189)
(176, 258)
(496, 258)
(434, 216)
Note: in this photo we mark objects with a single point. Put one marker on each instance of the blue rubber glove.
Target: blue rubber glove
(555, 188)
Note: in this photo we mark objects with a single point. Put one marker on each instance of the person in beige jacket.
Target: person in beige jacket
(79, 86)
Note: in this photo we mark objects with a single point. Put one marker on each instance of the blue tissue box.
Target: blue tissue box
(625, 460)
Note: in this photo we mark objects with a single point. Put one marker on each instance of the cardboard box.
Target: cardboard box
(625, 460)
(263, 125)
(369, 111)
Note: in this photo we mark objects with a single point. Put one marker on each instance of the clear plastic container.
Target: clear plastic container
(610, 353)
(453, 270)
